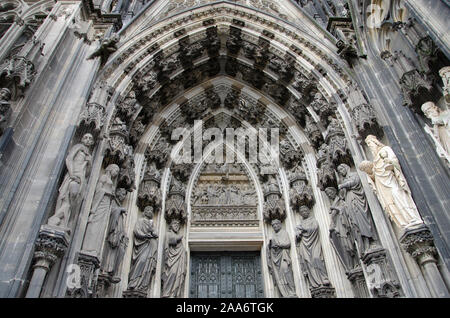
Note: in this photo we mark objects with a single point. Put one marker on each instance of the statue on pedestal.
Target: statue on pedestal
(389, 183)
(357, 207)
(78, 163)
(145, 247)
(102, 205)
(440, 132)
(310, 250)
(279, 260)
(116, 239)
(175, 262)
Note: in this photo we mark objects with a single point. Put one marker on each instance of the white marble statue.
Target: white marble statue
(440, 132)
(389, 183)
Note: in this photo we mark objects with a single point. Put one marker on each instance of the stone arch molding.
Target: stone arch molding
(258, 71)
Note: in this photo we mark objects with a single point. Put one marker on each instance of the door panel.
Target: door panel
(226, 274)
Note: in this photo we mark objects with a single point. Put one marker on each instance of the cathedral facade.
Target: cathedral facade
(239, 149)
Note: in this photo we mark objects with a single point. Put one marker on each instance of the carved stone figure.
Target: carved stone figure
(325, 173)
(106, 48)
(279, 260)
(357, 207)
(445, 74)
(440, 132)
(116, 239)
(174, 263)
(100, 211)
(389, 184)
(5, 108)
(78, 163)
(340, 230)
(289, 156)
(128, 106)
(145, 247)
(310, 250)
(313, 132)
(322, 107)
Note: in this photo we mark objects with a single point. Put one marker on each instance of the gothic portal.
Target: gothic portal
(247, 148)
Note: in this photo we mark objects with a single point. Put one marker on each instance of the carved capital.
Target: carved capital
(19, 71)
(419, 243)
(50, 245)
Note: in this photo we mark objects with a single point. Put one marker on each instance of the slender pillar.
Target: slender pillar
(51, 244)
(419, 243)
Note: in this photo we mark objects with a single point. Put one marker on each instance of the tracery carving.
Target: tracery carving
(337, 143)
(274, 207)
(301, 192)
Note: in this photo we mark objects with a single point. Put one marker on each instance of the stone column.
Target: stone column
(51, 244)
(419, 243)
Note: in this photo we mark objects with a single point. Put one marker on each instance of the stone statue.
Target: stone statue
(279, 260)
(107, 47)
(440, 132)
(445, 75)
(340, 230)
(116, 239)
(145, 247)
(175, 263)
(389, 183)
(102, 205)
(5, 108)
(310, 250)
(356, 207)
(78, 164)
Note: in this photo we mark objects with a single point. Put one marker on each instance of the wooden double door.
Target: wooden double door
(226, 275)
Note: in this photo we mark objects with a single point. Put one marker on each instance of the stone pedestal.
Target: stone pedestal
(323, 292)
(356, 277)
(381, 279)
(134, 294)
(88, 264)
(419, 243)
(51, 244)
